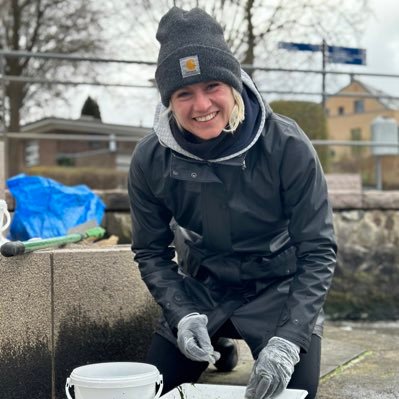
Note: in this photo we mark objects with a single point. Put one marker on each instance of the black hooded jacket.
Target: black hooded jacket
(253, 231)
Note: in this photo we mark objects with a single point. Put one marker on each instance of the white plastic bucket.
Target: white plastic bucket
(118, 380)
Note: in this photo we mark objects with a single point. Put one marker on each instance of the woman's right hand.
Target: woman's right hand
(193, 339)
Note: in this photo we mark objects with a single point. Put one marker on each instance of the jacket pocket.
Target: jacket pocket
(283, 264)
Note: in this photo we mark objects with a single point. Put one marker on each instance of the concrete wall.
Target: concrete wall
(68, 307)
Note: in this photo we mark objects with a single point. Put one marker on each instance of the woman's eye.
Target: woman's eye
(212, 86)
(183, 94)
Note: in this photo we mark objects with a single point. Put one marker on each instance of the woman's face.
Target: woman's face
(203, 108)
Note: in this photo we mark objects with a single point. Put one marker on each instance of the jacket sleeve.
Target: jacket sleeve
(151, 242)
(306, 203)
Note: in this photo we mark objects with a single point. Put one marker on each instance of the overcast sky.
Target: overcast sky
(381, 41)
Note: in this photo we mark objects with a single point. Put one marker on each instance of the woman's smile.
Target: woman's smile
(206, 118)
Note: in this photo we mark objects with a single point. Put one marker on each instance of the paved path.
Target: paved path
(359, 361)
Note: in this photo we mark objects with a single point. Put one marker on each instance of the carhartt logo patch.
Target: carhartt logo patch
(190, 66)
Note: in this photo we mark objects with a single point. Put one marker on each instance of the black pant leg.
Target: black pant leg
(175, 368)
(307, 372)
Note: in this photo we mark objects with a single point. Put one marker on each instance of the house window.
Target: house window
(356, 135)
(96, 145)
(341, 110)
(358, 106)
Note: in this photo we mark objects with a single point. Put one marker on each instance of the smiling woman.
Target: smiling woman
(237, 192)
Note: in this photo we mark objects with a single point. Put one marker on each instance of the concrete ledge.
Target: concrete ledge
(344, 181)
(374, 199)
(68, 307)
(347, 197)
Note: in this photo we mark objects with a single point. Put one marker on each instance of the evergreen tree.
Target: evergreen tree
(91, 108)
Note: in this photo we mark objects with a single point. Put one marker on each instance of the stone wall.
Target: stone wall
(366, 282)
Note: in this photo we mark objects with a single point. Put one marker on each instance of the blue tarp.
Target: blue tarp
(45, 208)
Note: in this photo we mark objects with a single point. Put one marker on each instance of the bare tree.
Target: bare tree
(253, 28)
(55, 26)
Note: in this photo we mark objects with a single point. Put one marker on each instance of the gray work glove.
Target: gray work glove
(273, 369)
(193, 339)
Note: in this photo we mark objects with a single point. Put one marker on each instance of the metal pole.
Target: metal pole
(378, 178)
(3, 126)
(323, 74)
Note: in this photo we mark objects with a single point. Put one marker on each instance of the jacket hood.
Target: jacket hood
(165, 136)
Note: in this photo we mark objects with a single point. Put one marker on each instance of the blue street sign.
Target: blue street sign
(346, 55)
(334, 54)
(291, 46)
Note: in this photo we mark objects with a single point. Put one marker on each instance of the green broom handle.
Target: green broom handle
(13, 248)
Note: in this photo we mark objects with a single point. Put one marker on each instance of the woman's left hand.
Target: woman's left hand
(273, 369)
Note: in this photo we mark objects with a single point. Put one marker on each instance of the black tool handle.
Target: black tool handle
(12, 248)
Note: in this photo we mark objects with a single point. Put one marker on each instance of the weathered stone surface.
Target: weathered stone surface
(25, 334)
(67, 307)
(115, 200)
(366, 281)
(368, 242)
(374, 199)
(119, 224)
(102, 309)
(345, 199)
(344, 182)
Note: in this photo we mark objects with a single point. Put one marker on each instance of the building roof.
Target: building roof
(384, 98)
(86, 125)
(388, 101)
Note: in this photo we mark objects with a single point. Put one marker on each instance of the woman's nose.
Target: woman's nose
(201, 101)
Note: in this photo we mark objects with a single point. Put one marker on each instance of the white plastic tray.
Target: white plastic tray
(208, 391)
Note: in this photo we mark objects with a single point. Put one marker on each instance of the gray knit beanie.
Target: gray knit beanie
(193, 50)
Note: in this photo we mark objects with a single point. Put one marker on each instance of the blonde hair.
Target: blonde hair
(236, 117)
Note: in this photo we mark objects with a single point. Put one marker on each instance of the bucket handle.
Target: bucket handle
(67, 386)
(160, 383)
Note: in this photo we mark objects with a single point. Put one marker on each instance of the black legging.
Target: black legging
(177, 369)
